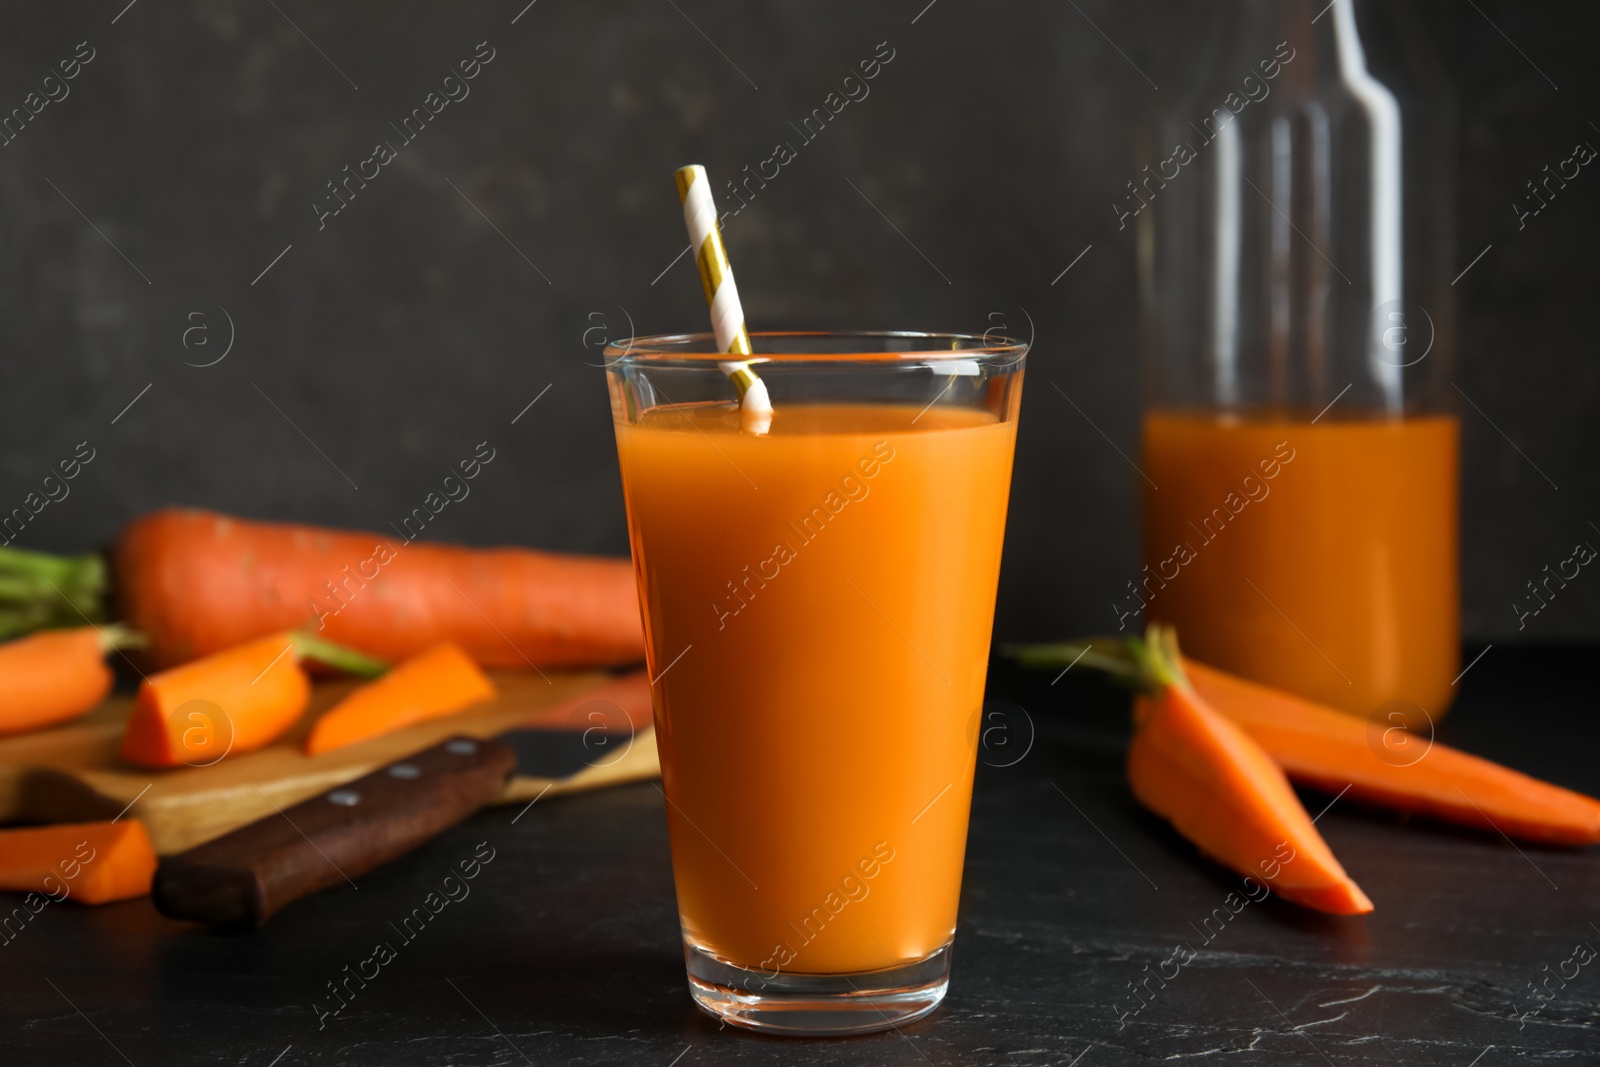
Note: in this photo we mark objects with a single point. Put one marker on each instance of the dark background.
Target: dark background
(408, 330)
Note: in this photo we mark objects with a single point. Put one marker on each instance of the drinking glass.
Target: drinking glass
(817, 604)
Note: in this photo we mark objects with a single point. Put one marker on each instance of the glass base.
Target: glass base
(817, 1005)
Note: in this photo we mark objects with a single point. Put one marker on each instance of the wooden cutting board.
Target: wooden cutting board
(73, 773)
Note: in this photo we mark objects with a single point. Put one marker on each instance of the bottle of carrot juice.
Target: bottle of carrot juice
(1300, 441)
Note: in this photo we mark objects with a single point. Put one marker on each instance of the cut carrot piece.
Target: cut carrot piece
(91, 862)
(1329, 750)
(234, 701)
(1221, 790)
(441, 681)
(55, 675)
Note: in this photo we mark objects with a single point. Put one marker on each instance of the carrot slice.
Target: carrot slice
(55, 675)
(234, 701)
(1221, 790)
(91, 862)
(1329, 750)
(441, 681)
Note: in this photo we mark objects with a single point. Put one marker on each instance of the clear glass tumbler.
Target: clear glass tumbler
(818, 602)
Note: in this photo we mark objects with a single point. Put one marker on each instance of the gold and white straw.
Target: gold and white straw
(722, 295)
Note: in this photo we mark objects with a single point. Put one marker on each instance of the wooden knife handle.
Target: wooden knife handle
(242, 878)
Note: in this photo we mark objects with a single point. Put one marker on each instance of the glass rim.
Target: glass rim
(701, 348)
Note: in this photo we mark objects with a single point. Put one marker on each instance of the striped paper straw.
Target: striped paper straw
(722, 295)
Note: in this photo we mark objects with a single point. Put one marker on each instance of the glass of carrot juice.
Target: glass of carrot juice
(817, 603)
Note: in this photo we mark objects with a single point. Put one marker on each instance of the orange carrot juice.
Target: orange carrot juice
(818, 604)
(1317, 557)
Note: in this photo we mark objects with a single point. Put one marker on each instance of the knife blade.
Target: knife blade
(241, 879)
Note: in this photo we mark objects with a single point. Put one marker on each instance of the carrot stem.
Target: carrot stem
(338, 656)
(18, 590)
(40, 590)
(1107, 654)
(1149, 664)
(118, 637)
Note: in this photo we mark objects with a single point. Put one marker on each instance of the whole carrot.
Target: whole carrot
(229, 702)
(197, 582)
(56, 675)
(1221, 790)
(1330, 749)
(1333, 750)
(440, 681)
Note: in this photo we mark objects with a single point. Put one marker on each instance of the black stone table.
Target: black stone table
(566, 949)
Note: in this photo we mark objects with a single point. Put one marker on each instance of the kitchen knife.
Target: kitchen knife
(243, 878)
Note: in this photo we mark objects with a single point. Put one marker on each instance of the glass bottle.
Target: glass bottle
(1294, 225)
